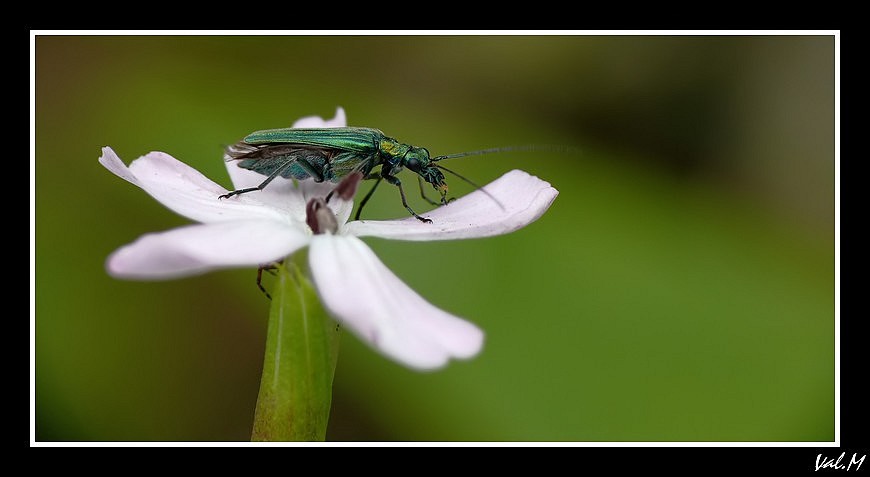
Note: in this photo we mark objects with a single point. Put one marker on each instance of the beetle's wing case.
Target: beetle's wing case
(330, 152)
(365, 140)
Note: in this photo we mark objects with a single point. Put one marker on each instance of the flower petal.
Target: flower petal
(198, 248)
(116, 166)
(377, 306)
(521, 199)
(339, 121)
(282, 194)
(183, 189)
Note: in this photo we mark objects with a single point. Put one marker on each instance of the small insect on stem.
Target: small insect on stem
(269, 268)
(331, 154)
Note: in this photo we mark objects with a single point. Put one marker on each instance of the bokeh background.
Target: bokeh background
(680, 288)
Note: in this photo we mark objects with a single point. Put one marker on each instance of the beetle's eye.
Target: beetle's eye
(413, 164)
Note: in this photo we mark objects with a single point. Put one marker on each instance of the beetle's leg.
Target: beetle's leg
(310, 169)
(423, 193)
(396, 182)
(263, 184)
(365, 199)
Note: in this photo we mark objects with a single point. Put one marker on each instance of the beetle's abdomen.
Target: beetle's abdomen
(295, 170)
(293, 162)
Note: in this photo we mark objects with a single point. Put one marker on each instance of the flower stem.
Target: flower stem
(301, 352)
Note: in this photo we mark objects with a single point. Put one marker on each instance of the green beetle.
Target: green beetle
(331, 154)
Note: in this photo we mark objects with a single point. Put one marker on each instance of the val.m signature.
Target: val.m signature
(823, 462)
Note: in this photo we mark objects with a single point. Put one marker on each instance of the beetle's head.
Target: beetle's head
(417, 160)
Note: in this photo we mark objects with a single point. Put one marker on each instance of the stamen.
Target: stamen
(320, 217)
(347, 187)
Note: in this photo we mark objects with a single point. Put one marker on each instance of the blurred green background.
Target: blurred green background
(680, 288)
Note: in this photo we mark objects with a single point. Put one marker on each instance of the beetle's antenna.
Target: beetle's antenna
(476, 187)
(482, 151)
(530, 147)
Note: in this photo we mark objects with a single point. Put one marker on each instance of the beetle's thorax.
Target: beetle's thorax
(393, 151)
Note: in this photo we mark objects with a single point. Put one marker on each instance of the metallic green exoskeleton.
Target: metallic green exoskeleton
(332, 154)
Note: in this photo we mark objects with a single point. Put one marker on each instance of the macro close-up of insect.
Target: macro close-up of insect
(331, 154)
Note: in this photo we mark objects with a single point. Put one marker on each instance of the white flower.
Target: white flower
(358, 290)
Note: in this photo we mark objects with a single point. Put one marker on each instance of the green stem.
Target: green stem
(301, 352)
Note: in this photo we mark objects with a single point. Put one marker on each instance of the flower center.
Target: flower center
(319, 216)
